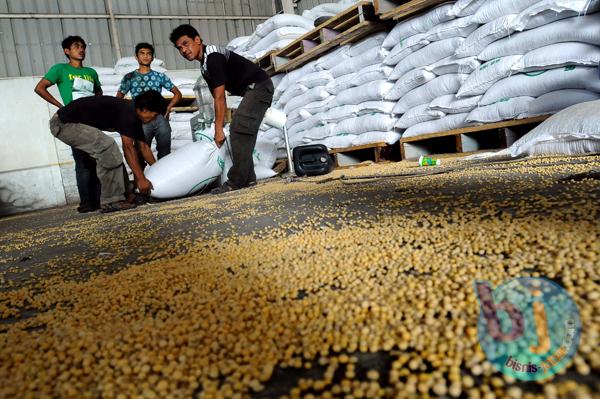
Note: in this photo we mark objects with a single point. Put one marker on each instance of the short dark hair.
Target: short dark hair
(183, 30)
(151, 100)
(145, 45)
(70, 40)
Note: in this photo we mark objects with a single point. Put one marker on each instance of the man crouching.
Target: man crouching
(80, 125)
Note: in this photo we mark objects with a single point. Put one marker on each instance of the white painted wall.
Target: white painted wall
(37, 171)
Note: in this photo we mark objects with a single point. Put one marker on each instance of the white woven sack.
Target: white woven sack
(371, 73)
(573, 131)
(291, 93)
(341, 83)
(444, 124)
(319, 132)
(445, 84)
(295, 117)
(408, 82)
(273, 134)
(404, 48)
(418, 24)
(460, 27)
(486, 75)
(277, 79)
(238, 42)
(286, 32)
(555, 101)
(450, 104)
(182, 116)
(101, 71)
(584, 29)
(419, 114)
(477, 41)
(559, 55)
(547, 11)
(332, 58)
(306, 124)
(281, 21)
(318, 107)
(339, 113)
(110, 80)
(454, 65)
(493, 9)
(511, 108)
(427, 56)
(344, 141)
(375, 55)
(376, 137)
(362, 46)
(311, 95)
(371, 91)
(365, 123)
(537, 83)
(325, 9)
(463, 8)
(253, 56)
(370, 107)
(315, 79)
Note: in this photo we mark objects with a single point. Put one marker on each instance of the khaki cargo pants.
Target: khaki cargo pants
(104, 149)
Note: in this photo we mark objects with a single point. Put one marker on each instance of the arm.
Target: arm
(220, 107)
(41, 89)
(119, 94)
(146, 152)
(131, 156)
(176, 98)
(97, 85)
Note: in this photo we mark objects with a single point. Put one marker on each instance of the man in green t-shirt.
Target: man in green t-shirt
(75, 81)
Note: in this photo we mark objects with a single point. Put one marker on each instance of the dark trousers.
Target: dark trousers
(244, 129)
(88, 184)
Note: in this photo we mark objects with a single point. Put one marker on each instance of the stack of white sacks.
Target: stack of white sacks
(338, 100)
(478, 61)
(463, 63)
(282, 29)
(273, 34)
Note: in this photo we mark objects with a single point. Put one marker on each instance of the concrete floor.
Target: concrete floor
(59, 243)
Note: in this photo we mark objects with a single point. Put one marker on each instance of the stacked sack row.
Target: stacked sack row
(273, 34)
(479, 61)
(339, 99)
(282, 29)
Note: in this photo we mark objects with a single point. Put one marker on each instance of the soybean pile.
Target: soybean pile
(360, 287)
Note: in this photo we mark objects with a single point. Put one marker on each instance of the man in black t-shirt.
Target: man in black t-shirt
(225, 70)
(80, 125)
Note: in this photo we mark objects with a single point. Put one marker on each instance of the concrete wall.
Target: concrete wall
(36, 170)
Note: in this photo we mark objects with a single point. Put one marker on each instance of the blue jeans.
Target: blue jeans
(88, 184)
(160, 129)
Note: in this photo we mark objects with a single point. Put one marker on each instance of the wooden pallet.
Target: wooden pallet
(355, 23)
(266, 63)
(375, 152)
(397, 9)
(468, 139)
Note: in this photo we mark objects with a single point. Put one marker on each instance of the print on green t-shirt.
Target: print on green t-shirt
(73, 83)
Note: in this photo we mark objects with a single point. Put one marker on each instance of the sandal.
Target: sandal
(117, 206)
(225, 188)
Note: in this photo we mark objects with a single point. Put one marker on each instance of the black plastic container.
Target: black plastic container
(312, 160)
